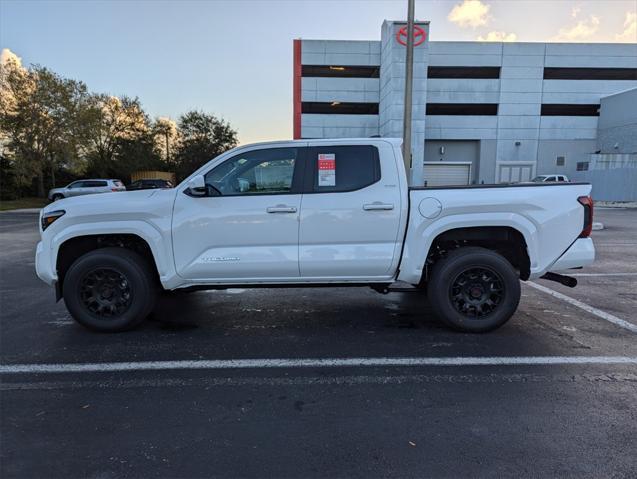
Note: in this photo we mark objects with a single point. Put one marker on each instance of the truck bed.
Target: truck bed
(547, 215)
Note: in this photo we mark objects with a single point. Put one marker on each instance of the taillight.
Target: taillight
(587, 203)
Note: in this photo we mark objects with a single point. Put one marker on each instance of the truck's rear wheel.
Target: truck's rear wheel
(109, 289)
(474, 289)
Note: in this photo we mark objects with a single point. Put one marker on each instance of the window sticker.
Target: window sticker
(327, 169)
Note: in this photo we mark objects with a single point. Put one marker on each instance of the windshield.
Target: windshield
(538, 179)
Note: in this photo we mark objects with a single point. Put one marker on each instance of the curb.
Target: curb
(616, 204)
(21, 210)
(598, 226)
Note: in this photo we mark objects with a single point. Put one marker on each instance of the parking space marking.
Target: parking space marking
(323, 379)
(589, 309)
(604, 274)
(311, 363)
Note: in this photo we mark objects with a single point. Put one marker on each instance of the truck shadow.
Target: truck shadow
(304, 322)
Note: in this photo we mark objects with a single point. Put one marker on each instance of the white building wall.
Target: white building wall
(392, 92)
(518, 131)
(617, 132)
(340, 52)
(517, 134)
(363, 90)
(339, 126)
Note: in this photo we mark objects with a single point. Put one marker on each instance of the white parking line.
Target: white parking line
(589, 309)
(604, 274)
(312, 363)
(598, 244)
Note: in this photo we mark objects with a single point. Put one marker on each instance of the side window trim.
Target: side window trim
(296, 187)
(311, 171)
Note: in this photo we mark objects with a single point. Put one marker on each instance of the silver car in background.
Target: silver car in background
(86, 187)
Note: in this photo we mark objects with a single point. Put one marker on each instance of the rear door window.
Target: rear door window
(94, 184)
(334, 169)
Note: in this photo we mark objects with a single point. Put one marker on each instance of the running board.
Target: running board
(560, 278)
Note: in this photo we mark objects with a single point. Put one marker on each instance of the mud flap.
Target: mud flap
(58, 291)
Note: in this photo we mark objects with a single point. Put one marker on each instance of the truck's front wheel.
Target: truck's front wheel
(109, 289)
(474, 289)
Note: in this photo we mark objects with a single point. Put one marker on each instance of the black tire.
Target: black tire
(110, 289)
(474, 289)
(57, 197)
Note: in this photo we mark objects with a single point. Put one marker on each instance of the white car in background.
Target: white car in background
(86, 187)
(551, 179)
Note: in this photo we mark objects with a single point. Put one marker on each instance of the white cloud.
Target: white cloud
(7, 56)
(630, 29)
(470, 13)
(575, 12)
(582, 31)
(498, 36)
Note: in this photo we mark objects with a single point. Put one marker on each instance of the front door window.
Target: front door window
(260, 172)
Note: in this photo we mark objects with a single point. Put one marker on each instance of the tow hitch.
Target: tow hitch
(560, 278)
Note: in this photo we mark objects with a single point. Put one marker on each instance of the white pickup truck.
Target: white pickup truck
(313, 213)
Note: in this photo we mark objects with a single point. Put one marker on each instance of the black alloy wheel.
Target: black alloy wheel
(477, 292)
(110, 289)
(106, 292)
(474, 289)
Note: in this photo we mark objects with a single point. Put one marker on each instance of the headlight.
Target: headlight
(49, 218)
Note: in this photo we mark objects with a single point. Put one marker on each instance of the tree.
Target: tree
(52, 127)
(135, 154)
(16, 85)
(108, 122)
(37, 120)
(203, 137)
(167, 138)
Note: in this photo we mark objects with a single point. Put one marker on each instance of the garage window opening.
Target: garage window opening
(582, 166)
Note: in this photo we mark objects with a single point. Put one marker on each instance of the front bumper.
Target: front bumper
(44, 266)
(581, 253)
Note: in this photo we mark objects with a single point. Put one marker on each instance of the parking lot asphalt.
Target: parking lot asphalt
(573, 414)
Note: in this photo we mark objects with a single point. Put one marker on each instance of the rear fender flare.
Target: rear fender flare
(418, 242)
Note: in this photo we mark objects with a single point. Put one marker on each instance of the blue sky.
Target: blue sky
(234, 58)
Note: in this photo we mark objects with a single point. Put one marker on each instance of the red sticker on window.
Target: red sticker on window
(327, 169)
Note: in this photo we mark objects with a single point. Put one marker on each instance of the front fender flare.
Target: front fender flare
(160, 245)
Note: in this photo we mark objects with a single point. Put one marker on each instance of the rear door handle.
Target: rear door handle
(378, 206)
(281, 209)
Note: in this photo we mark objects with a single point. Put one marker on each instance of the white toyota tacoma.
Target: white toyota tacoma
(313, 213)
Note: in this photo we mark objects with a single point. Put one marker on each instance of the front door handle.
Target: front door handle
(376, 206)
(281, 209)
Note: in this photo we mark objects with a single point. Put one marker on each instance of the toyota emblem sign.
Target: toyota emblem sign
(419, 36)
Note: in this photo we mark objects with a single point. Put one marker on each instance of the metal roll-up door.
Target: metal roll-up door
(447, 174)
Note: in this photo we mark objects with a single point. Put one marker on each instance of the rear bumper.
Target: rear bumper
(581, 253)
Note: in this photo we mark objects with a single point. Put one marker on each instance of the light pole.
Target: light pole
(409, 77)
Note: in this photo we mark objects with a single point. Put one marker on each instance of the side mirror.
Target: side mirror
(197, 186)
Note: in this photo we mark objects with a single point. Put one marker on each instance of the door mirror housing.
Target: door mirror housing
(197, 186)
